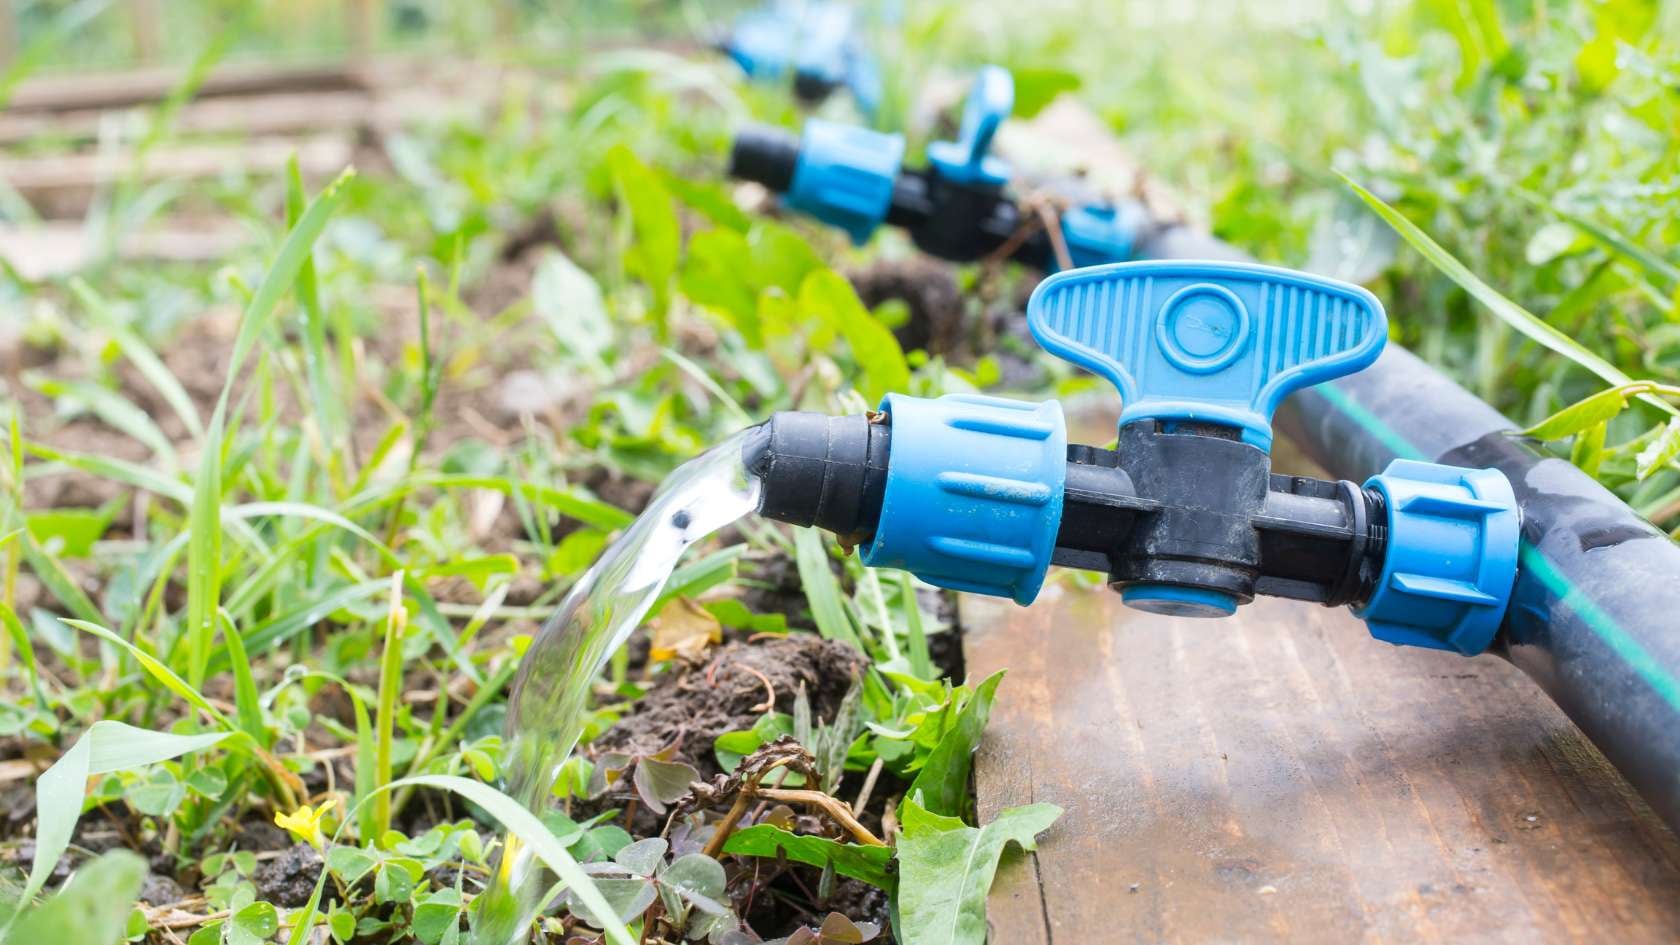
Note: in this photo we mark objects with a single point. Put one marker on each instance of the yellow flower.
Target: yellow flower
(305, 823)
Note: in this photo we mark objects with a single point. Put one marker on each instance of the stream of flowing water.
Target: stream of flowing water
(545, 710)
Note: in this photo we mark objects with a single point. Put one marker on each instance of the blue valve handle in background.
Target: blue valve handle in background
(845, 174)
(968, 160)
(816, 40)
(974, 489)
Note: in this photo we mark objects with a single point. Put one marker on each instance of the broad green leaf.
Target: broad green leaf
(1614, 22)
(870, 864)
(827, 295)
(69, 532)
(661, 782)
(105, 747)
(1506, 310)
(436, 915)
(643, 857)
(157, 794)
(92, 908)
(350, 863)
(712, 200)
(1038, 86)
(718, 274)
(1661, 451)
(1587, 412)
(1587, 452)
(567, 298)
(822, 589)
(656, 237)
(945, 869)
(942, 784)
(255, 924)
(731, 747)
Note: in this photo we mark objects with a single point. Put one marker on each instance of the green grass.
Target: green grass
(326, 518)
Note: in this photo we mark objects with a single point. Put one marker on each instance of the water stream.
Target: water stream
(545, 710)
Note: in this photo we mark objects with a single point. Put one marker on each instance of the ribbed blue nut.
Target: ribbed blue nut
(845, 175)
(1450, 559)
(974, 492)
(1209, 342)
(965, 160)
(1098, 234)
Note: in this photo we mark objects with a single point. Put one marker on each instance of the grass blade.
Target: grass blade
(204, 548)
(390, 685)
(144, 359)
(822, 590)
(106, 746)
(1511, 313)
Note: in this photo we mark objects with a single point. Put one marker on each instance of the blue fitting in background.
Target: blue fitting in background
(845, 176)
(974, 493)
(1207, 342)
(965, 160)
(817, 41)
(1097, 234)
(1451, 556)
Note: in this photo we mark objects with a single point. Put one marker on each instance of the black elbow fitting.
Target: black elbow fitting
(819, 470)
(766, 156)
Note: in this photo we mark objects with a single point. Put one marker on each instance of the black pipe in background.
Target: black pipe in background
(1595, 616)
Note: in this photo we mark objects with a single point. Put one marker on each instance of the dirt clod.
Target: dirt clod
(928, 289)
(289, 879)
(161, 890)
(694, 704)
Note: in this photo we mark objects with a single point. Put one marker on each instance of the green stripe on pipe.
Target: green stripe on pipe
(1533, 560)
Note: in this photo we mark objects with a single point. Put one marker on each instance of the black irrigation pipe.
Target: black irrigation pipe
(1595, 616)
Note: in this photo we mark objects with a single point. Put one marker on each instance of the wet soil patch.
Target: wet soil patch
(692, 704)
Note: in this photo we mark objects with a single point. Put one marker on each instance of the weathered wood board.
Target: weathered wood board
(1281, 776)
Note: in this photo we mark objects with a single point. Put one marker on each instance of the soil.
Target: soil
(288, 880)
(693, 704)
(929, 290)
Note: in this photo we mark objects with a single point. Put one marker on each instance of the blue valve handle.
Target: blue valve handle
(1207, 342)
(966, 160)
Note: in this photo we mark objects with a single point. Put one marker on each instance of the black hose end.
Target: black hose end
(766, 155)
(819, 470)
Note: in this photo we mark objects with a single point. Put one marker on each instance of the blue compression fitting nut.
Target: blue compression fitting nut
(845, 176)
(966, 160)
(1451, 557)
(1207, 342)
(1097, 234)
(973, 498)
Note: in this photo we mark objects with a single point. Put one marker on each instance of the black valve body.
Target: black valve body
(1182, 504)
(953, 221)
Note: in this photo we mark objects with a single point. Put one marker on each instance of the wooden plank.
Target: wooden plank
(141, 86)
(63, 185)
(1280, 775)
